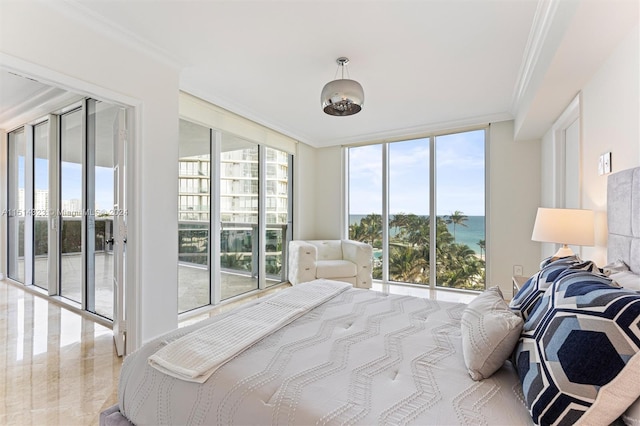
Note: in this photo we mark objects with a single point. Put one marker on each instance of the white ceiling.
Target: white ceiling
(424, 65)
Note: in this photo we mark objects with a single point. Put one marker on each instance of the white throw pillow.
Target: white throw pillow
(628, 280)
(490, 331)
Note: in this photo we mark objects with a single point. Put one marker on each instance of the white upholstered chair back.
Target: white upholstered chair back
(341, 260)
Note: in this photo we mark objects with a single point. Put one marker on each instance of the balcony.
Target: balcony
(238, 261)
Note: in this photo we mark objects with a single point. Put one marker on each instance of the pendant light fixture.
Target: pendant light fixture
(343, 96)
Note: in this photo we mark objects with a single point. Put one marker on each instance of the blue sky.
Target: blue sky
(72, 182)
(460, 176)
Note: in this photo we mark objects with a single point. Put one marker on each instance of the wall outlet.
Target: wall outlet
(517, 270)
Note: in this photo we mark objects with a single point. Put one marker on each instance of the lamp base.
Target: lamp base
(564, 251)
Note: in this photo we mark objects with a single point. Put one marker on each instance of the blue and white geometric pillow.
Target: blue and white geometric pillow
(525, 300)
(579, 352)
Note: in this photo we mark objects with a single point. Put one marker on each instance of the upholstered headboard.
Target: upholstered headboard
(623, 217)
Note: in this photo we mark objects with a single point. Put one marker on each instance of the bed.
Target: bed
(354, 356)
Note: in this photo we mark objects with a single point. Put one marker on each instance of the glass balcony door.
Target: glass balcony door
(41, 205)
(239, 216)
(194, 223)
(237, 242)
(16, 206)
(72, 168)
(102, 136)
(89, 138)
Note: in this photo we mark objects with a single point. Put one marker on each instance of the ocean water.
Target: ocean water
(469, 235)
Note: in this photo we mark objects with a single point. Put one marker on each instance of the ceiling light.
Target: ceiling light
(342, 97)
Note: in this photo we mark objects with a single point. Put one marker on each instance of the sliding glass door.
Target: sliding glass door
(16, 206)
(237, 242)
(239, 204)
(71, 203)
(41, 205)
(193, 216)
(61, 221)
(100, 160)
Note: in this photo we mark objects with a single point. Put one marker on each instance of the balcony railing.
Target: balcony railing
(239, 245)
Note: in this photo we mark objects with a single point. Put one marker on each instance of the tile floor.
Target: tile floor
(56, 367)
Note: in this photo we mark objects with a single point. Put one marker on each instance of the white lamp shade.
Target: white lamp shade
(564, 226)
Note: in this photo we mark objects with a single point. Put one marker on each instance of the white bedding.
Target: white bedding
(196, 356)
(360, 358)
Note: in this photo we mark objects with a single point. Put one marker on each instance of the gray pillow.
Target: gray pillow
(490, 331)
(628, 280)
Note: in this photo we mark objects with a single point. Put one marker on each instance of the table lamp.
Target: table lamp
(564, 226)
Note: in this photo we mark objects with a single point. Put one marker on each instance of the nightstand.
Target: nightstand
(517, 282)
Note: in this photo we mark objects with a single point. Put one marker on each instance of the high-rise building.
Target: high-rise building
(238, 187)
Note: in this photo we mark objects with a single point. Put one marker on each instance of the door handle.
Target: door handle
(110, 241)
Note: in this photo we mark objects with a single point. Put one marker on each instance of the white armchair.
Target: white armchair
(341, 260)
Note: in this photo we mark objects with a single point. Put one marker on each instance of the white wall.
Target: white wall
(513, 196)
(51, 42)
(304, 197)
(610, 117)
(329, 193)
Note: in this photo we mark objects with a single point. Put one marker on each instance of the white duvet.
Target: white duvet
(197, 355)
(361, 357)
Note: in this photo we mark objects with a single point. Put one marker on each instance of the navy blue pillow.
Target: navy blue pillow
(528, 296)
(580, 337)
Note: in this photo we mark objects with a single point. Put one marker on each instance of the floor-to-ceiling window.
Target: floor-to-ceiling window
(365, 204)
(242, 189)
(279, 173)
(404, 195)
(194, 201)
(460, 201)
(408, 195)
(61, 204)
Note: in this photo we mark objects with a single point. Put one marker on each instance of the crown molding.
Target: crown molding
(542, 22)
(374, 137)
(81, 13)
(429, 129)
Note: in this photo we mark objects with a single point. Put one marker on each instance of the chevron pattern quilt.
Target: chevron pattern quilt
(578, 354)
(362, 357)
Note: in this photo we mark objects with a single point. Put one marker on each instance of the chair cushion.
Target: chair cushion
(335, 269)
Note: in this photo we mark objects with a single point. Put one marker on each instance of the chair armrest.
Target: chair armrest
(361, 254)
(302, 262)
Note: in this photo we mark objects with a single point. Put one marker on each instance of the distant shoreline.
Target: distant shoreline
(469, 235)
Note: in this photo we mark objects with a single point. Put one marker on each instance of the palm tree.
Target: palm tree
(368, 230)
(459, 267)
(407, 265)
(482, 245)
(456, 218)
